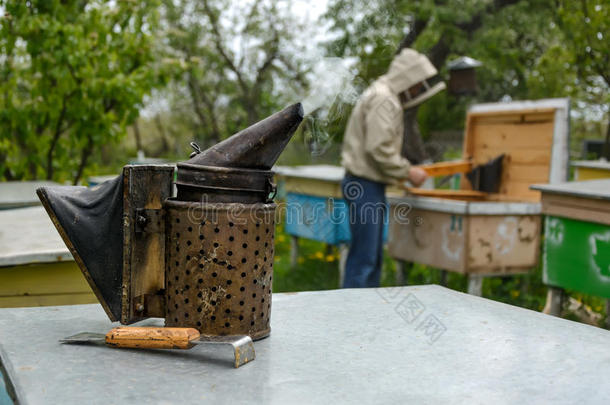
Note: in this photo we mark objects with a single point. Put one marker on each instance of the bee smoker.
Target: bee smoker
(202, 258)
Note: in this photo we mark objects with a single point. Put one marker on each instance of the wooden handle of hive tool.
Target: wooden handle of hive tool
(151, 337)
(446, 168)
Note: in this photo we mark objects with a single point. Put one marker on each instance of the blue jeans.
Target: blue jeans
(367, 208)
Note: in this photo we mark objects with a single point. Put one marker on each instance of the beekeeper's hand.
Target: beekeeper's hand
(417, 176)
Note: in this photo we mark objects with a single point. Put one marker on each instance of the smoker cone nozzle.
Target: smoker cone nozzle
(256, 147)
(238, 168)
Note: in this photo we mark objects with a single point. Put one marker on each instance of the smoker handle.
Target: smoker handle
(151, 337)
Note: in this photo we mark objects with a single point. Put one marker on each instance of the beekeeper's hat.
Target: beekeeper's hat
(409, 68)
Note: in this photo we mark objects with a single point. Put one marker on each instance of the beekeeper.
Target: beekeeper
(372, 158)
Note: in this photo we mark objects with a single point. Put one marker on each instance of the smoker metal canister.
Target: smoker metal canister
(223, 184)
(219, 267)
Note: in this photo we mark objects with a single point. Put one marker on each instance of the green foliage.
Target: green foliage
(511, 43)
(240, 63)
(73, 77)
(522, 44)
(442, 111)
(586, 26)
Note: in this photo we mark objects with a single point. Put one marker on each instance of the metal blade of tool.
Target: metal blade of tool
(85, 337)
(243, 347)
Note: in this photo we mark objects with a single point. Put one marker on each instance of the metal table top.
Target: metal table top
(419, 344)
(596, 189)
(15, 194)
(27, 235)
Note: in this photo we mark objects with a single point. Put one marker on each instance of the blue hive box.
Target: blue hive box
(319, 218)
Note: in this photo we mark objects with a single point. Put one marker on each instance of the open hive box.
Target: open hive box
(488, 233)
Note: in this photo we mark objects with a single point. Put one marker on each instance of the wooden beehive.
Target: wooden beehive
(495, 233)
(463, 81)
(528, 138)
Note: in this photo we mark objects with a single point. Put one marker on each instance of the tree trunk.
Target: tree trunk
(606, 150)
(136, 133)
(413, 144)
(50, 156)
(56, 136)
(86, 152)
(251, 109)
(416, 28)
(199, 98)
(163, 134)
(8, 175)
(33, 169)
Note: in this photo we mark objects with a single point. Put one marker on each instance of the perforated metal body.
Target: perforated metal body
(219, 267)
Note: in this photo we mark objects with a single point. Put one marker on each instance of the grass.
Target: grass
(316, 268)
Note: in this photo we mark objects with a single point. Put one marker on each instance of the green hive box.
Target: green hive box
(577, 255)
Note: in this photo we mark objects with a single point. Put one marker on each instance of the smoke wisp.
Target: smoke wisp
(333, 87)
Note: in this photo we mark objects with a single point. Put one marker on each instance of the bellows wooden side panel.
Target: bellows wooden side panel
(145, 188)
